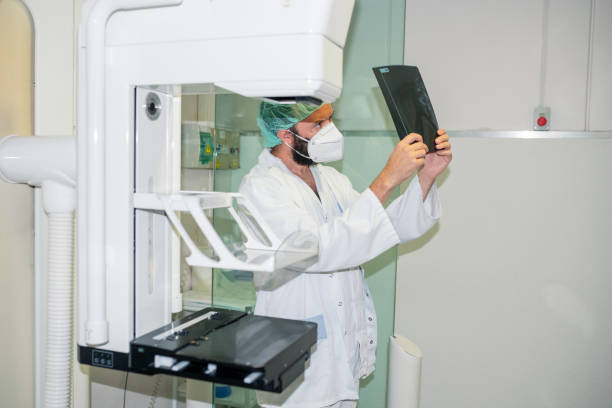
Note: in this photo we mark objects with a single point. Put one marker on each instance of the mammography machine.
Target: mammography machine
(137, 59)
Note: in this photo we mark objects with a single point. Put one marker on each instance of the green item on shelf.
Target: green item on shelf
(206, 147)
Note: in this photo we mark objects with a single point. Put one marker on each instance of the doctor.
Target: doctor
(295, 192)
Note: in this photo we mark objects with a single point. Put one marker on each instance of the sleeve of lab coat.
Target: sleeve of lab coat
(410, 215)
(362, 232)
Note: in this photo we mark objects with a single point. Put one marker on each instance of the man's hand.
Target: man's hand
(435, 162)
(404, 161)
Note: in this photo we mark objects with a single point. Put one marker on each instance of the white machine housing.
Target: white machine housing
(265, 48)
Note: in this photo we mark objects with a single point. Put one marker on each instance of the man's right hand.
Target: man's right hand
(407, 157)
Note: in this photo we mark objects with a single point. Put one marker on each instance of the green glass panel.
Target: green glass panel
(234, 115)
(234, 289)
(231, 288)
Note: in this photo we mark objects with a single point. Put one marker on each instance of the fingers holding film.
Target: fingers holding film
(443, 145)
(412, 138)
(418, 149)
(442, 138)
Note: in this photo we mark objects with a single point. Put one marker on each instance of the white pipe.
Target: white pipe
(31, 160)
(49, 162)
(404, 382)
(97, 326)
(40, 232)
(59, 202)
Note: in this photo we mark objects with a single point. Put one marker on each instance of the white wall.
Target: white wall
(509, 296)
(16, 213)
(487, 65)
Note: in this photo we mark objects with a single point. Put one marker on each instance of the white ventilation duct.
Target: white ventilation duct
(49, 163)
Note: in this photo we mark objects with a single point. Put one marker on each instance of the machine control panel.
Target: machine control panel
(102, 358)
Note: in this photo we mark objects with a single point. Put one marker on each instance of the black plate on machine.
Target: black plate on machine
(228, 347)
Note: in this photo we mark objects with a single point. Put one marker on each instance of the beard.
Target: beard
(302, 147)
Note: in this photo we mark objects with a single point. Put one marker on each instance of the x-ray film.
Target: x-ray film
(408, 102)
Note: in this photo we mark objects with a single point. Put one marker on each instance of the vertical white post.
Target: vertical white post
(96, 326)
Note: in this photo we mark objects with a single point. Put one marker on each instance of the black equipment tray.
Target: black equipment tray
(228, 347)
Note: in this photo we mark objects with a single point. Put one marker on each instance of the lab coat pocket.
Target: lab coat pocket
(320, 321)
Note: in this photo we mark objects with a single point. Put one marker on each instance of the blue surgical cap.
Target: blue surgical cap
(276, 116)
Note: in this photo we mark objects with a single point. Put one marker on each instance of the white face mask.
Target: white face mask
(327, 145)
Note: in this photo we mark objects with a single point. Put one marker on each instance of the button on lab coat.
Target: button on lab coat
(351, 228)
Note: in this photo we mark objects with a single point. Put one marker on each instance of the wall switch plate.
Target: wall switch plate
(541, 118)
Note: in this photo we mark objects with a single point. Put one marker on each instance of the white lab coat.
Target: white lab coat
(352, 228)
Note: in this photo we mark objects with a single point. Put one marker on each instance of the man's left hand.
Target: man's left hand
(436, 162)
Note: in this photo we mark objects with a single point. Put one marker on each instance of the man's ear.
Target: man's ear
(285, 136)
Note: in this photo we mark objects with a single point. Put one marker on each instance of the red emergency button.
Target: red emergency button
(542, 121)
